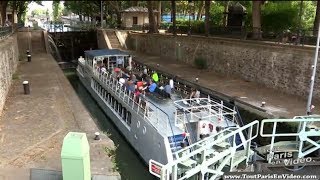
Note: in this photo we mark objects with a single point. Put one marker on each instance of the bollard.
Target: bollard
(26, 87)
(97, 136)
(29, 57)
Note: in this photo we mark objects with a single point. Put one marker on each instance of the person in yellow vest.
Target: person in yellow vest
(155, 77)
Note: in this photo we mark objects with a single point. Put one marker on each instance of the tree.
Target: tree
(13, 5)
(152, 25)
(225, 17)
(3, 9)
(316, 20)
(173, 16)
(207, 12)
(256, 19)
(200, 10)
(57, 10)
(159, 14)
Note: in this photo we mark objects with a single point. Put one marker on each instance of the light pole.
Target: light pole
(313, 74)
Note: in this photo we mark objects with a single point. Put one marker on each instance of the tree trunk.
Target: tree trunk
(159, 14)
(80, 17)
(225, 16)
(152, 24)
(118, 19)
(256, 19)
(199, 14)
(173, 15)
(3, 9)
(14, 7)
(316, 20)
(207, 12)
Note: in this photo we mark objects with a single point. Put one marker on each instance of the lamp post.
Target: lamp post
(313, 74)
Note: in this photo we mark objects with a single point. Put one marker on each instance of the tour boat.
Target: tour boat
(178, 136)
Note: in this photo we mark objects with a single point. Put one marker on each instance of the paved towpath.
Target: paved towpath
(277, 104)
(32, 127)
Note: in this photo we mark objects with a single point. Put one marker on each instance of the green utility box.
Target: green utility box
(75, 157)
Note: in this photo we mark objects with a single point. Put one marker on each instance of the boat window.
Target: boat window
(128, 118)
(124, 113)
(112, 101)
(109, 98)
(120, 109)
(105, 94)
(115, 105)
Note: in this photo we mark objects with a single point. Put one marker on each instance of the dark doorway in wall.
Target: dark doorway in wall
(134, 20)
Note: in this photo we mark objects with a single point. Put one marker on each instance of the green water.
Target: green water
(130, 165)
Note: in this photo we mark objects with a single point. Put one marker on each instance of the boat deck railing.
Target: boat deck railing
(209, 156)
(304, 134)
(157, 118)
(204, 109)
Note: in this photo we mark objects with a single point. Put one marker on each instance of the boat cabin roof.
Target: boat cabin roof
(105, 52)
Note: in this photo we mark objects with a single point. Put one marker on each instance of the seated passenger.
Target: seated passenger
(194, 93)
(167, 88)
(152, 87)
(131, 86)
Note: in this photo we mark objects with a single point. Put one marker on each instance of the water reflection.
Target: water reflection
(131, 167)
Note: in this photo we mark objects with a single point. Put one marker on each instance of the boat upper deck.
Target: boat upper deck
(163, 112)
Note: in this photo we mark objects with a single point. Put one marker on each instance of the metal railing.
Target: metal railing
(303, 133)
(204, 149)
(138, 104)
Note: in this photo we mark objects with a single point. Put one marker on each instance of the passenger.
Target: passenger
(103, 69)
(140, 84)
(120, 61)
(152, 87)
(161, 86)
(122, 81)
(167, 88)
(194, 93)
(155, 77)
(131, 86)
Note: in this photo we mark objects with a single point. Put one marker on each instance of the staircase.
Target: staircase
(175, 142)
(114, 41)
(37, 42)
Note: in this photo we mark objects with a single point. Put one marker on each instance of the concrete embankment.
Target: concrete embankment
(32, 127)
(248, 72)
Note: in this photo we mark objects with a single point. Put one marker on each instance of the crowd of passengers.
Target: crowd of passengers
(138, 83)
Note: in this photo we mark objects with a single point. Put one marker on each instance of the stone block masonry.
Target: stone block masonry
(282, 67)
(9, 57)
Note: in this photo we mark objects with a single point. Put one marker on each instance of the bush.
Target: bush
(200, 63)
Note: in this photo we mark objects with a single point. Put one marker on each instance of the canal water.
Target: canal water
(130, 165)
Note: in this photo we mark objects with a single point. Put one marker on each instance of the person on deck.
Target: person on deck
(155, 77)
(152, 87)
(120, 61)
(167, 88)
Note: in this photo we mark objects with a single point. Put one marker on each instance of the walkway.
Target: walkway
(277, 104)
(33, 126)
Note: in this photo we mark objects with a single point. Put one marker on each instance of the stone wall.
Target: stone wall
(283, 67)
(9, 57)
